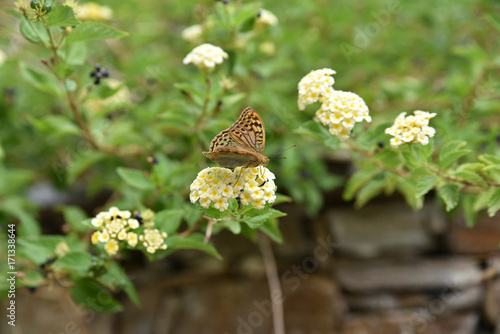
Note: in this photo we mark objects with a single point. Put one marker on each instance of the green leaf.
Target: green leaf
(55, 125)
(390, 158)
(469, 176)
(134, 178)
(407, 188)
(38, 249)
(94, 297)
(77, 262)
(62, 16)
(371, 189)
(169, 220)
(94, 31)
(194, 241)
(450, 152)
(258, 221)
(494, 203)
(468, 208)
(449, 194)
(231, 225)
(80, 161)
(489, 159)
(17, 207)
(271, 228)
(34, 32)
(74, 216)
(246, 12)
(425, 184)
(76, 53)
(41, 80)
(318, 132)
(356, 181)
(483, 199)
(115, 278)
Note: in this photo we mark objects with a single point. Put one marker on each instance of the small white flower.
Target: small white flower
(192, 33)
(205, 57)
(314, 86)
(411, 129)
(265, 17)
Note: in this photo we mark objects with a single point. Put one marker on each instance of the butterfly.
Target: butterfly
(241, 145)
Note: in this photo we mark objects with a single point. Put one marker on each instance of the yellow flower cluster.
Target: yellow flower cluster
(411, 129)
(217, 185)
(116, 226)
(340, 111)
(315, 86)
(205, 57)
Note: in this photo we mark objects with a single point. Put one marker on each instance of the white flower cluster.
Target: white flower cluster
(217, 185)
(192, 33)
(205, 56)
(315, 86)
(115, 226)
(340, 111)
(411, 129)
(265, 17)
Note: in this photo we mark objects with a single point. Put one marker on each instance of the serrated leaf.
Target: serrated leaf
(75, 53)
(77, 262)
(94, 31)
(74, 216)
(407, 188)
(494, 203)
(483, 199)
(40, 80)
(134, 178)
(169, 220)
(450, 152)
(80, 161)
(38, 249)
(469, 176)
(425, 184)
(94, 297)
(194, 241)
(449, 194)
(356, 181)
(55, 125)
(489, 159)
(62, 16)
(33, 31)
(370, 190)
(272, 230)
(257, 221)
(319, 132)
(390, 158)
(468, 208)
(232, 225)
(115, 277)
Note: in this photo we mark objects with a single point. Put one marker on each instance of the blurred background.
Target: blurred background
(384, 268)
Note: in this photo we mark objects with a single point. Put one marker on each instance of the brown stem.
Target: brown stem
(210, 227)
(274, 283)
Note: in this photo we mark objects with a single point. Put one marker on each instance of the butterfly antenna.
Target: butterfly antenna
(282, 152)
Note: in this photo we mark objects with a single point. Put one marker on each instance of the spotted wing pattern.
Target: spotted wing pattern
(242, 144)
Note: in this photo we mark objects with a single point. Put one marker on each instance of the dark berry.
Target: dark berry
(47, 7)
(35, 4)
(100, 72)
(381, 144)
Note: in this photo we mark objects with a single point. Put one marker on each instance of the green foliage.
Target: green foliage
(137, 125)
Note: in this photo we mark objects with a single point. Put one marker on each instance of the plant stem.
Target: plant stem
(274, 283)
(201, 118)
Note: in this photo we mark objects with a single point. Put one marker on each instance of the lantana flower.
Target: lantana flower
(411, 129)
(192, 33)
(205, 57)
(116, 227)
(216, 186)
(315, 86)
(340, 111)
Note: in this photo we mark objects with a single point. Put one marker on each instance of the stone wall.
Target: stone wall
(382, 269)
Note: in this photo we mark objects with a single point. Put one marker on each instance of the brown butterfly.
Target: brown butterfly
(241, 145)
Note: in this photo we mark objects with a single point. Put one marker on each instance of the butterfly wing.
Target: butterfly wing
(249, 132)
(242, 144)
